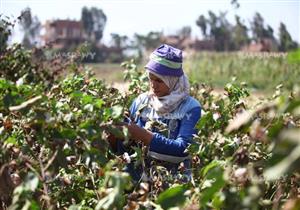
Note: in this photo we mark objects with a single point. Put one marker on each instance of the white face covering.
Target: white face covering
(179, 91)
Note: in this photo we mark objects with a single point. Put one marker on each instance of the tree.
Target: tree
(94, 21)
(285, 40)
(212, 21)
(224, 37)
(116, 53)
(235, 4)
(119, 41)
(220, 31)
(184, 32)
(269, 32)
(31, 27)
(257, 26)
(87, 21)
(142, 43)
(258, 29)
(148, 42)
(240, 34)
(202, 23)
(5, 31)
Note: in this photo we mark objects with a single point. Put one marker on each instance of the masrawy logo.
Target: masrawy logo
(262, 55)
(71, 55)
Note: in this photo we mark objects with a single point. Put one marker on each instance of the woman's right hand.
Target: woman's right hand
(112, 134)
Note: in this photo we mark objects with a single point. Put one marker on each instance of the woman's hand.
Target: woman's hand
(139, 134)
(135, 133)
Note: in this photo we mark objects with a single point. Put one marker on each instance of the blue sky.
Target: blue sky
(127, 17)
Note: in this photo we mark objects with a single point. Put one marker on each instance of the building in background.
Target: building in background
(63, 33)
(264, 45)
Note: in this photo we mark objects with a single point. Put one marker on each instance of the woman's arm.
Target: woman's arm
(138, 133)
(173, 150)
(163, 148)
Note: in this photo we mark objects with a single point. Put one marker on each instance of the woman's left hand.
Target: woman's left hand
(138, 134)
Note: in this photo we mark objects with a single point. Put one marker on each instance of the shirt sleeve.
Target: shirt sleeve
(172, 150)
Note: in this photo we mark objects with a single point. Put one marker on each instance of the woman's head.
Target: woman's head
(162, 85)
(166, 60)
(169, 85)
(158, 86)
(165, 69)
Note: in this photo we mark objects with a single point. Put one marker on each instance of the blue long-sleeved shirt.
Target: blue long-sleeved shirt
(180, 125)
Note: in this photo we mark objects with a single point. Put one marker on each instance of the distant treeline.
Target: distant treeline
(215, 28)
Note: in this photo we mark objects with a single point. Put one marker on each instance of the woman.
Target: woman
(167, 104)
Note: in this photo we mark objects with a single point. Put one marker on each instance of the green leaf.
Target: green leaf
(216, 176)
(173, 196)
(208, 117)
(11, 140)
(115, 198)
(229, 149)
(86, 99)
(283, 167)
(210, 166)
(218, 200)
(4, 84)
(76, 95)
(286, 154)
(34, 205)
(275, 128)
(116, 131)
(194, 148)
(86, 124)
(98, 103)
(116, 111)
(292, 105)
(68, 133)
